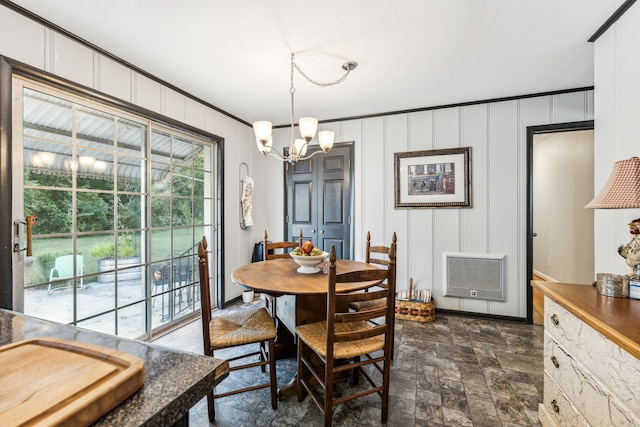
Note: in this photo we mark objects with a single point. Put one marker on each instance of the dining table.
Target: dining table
(301, 297)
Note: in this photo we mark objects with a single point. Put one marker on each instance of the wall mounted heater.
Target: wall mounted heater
(478, 276)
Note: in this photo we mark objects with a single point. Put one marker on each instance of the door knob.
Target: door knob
(535, 234)
(313, 231)
(321, 231)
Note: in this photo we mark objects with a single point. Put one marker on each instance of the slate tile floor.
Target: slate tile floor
(456, 371)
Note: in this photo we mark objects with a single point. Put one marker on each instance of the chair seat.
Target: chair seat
(242, 327)
(368, 305)
(315, 336)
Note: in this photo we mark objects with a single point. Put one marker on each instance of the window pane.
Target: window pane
(94, 211)
(160, 147)
(181, 182)
(130, 173)
(181, 213)
(132, 321)
(53, 209)
(160, 245)
(46, 117)
(129, 211)
(131, 138)
(181, 151)
(183, 242)
(97, 297)
(160, 212)
(94, 128)
(95, 169)
(103, 323)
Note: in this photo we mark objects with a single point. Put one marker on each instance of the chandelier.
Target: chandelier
(307, 125)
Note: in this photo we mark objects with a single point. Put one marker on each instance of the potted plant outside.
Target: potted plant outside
(128, 256)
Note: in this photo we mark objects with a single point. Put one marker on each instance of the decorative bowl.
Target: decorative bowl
(308, 264)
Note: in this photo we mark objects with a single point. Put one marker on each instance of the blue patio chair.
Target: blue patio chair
(63, 269)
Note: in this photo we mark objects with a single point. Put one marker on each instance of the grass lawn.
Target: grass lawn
(46, 250)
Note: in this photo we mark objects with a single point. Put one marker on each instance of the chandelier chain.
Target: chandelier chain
(340, 80)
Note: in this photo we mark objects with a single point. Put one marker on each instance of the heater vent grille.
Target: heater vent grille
(477, 276)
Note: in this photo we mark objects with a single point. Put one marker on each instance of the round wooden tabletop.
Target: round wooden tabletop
(280, 277)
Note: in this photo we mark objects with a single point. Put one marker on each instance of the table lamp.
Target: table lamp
(622, 191)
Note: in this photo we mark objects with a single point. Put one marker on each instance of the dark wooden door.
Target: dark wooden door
(319, 199)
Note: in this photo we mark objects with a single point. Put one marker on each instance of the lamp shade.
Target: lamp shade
(264, 146)
(262, 129)
(326, 137)
(308, 127)
(622, 190)
(301, 147)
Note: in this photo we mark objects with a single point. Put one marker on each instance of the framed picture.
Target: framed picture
(433, 178)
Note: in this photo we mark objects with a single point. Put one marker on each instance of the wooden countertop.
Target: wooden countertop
(618, 319)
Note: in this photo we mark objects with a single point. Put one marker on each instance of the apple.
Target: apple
(307, 247)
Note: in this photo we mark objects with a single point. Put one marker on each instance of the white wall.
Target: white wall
(496, 132)
(562, 186)
(617, 124)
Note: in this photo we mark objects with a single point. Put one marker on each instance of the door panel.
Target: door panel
(319, 200)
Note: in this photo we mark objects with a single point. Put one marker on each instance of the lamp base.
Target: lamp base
(612, 285)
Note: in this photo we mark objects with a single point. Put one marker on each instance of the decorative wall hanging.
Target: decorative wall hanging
(433, 178)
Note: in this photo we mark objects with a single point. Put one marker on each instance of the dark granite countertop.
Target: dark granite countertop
(173, 380)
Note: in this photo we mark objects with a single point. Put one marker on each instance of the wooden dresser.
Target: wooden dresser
(591, 357)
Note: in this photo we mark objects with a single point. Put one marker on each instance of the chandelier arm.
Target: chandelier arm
(310, 155)
(275, 153)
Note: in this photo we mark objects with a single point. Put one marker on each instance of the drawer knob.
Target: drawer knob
(555, 406)
(554, 319)
(554, 360)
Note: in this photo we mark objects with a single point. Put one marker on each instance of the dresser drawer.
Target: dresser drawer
(596, 403)
(557, 407)
(613, 366)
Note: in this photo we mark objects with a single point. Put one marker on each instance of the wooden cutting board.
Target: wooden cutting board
(55, 382)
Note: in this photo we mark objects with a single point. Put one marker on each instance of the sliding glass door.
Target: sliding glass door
(121, 204)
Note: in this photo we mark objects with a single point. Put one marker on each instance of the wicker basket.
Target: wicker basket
(417, 311)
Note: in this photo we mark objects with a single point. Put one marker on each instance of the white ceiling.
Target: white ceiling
(410, 53)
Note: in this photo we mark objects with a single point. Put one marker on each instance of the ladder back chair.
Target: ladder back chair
(379, 256)
(275, 250)
(248, 326)
(347, 340)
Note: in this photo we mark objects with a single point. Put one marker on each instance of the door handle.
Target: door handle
(29, 222)
(313, 231)
(321, 231)
(535, 234)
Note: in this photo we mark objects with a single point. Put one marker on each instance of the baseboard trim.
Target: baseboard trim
(512, 319)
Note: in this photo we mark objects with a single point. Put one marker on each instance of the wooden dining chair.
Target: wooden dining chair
(379, 256)
(275, 250)
(346, 340)
(235, 329)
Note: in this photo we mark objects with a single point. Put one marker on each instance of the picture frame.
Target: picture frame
(433, 178)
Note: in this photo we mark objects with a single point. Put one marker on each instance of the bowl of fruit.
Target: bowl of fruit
(308, 257)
